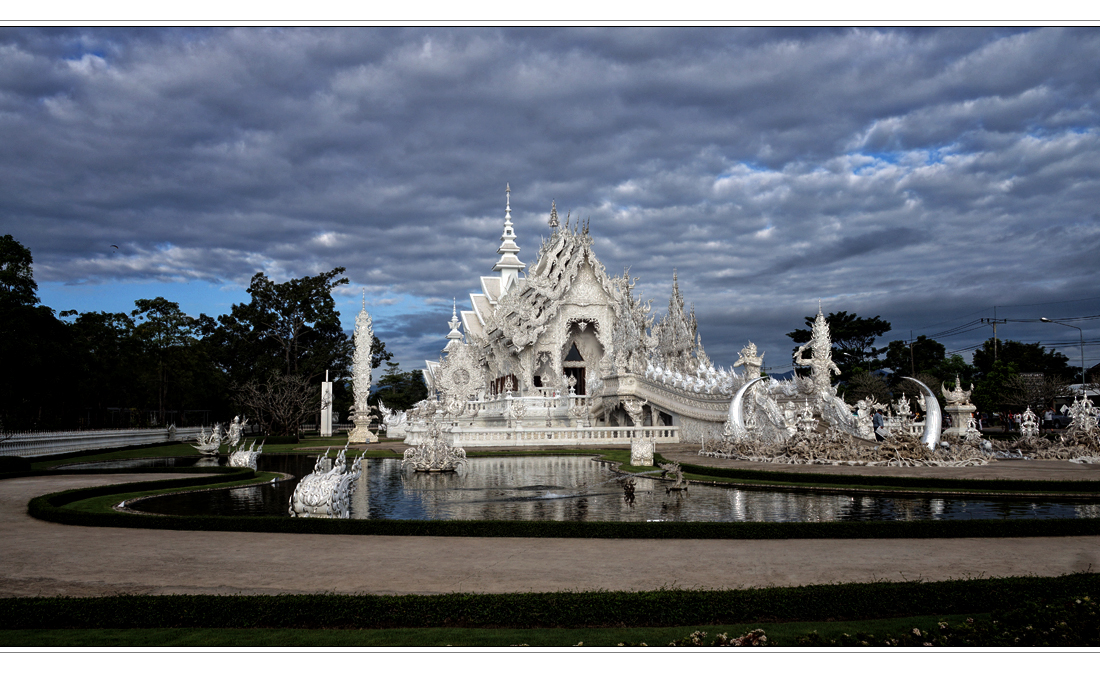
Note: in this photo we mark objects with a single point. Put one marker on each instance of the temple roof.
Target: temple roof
(522, 315)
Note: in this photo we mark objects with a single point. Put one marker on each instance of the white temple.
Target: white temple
(564, 353)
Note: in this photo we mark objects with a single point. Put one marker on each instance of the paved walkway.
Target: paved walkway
(40, 558)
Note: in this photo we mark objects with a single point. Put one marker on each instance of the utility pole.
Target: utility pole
(912, 362)
(994, 321)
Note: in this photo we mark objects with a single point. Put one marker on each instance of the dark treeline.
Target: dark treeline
(157, 365)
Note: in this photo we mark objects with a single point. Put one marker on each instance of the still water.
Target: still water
(577, 488)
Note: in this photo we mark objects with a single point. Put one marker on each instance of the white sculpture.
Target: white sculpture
(958, 408)
(326, 494)
(246, 457)
(751, 361)
(641, 451)
(821, 364)
(958, 397)
(394, 423)
(434, 454)
(1083, 430)
(361, 378)
(209, 443)
(326, 407)
(1029, 424)
(236, 431)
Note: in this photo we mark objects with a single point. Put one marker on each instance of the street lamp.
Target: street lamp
(1082, 334)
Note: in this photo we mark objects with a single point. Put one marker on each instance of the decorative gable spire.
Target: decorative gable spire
(454, 337)
(553, 215)
(508, 265)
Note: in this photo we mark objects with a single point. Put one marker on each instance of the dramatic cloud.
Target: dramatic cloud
(921, 175)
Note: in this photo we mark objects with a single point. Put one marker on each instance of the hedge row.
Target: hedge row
(14, 464)
(128, 470)
(1014, 485)
(51, 508)
(544, 610)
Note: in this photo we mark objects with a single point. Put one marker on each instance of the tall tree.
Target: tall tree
(1028, 358)
(290, 328)
(17, 286)
(35, 352)
(853, 339)
(400, 390)
(167, 332)
(922, 355)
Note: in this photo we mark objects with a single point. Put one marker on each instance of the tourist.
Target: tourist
(876, 421)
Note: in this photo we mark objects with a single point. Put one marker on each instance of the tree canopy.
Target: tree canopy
(17, 286)
(1028, 358)
(157, 365)
(400, 390)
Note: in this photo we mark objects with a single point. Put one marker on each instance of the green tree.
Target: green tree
(167, 332)
(990, 390)
(35, 348)
(923, 355)
(17, 286)
(400, 390)
(290, 328)
(853, 339)
(1028, 358)
(952, 366)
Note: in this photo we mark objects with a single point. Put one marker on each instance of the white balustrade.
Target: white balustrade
(50, 443)
(467, 437)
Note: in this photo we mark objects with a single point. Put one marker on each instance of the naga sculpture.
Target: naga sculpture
(326, 494)
(394, 423)
(209, 443)
(245, 457)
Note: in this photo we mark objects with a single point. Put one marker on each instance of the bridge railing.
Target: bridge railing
(29, 444)
(554, 436)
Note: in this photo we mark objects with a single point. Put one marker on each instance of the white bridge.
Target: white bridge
(50, 443)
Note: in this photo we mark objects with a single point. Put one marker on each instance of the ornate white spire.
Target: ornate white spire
(363, 338)
(553, 215)
(454, 338)
(508, 265)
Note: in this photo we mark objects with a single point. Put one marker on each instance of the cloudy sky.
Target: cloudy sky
(923, 175)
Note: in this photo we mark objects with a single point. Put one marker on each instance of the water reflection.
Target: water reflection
(573, 488)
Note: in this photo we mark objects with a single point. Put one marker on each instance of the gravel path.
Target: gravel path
(41, 558)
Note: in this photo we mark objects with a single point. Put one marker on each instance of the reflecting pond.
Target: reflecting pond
(578, 488)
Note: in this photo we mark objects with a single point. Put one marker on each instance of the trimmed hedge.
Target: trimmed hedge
(544, 610)
(14, 464)
(126, 470)
(50, 507)
(865, 480)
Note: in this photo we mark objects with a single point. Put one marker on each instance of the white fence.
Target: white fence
(535, 436)
(49, 443)
(336, 427)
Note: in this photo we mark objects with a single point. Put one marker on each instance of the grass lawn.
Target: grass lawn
(103, 504)
(778, 634)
